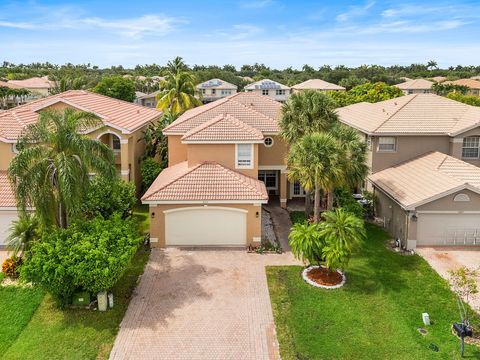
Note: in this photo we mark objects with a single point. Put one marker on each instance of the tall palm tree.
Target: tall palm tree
(177, 93)
(305, 113)
(316, 161)
(175, 66)
(50, 172)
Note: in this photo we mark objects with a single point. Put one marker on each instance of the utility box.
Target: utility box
(426, 318)
(102, 301)
(81, 298)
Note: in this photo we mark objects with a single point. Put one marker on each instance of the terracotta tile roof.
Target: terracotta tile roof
(7, 195)
(317, 84)
(470, 83)
(248, 108)
(34, 83)
(475, 77)
(217, 84)
(426, 178)
(119, 114)
(412, 114)
(439, 78)
(266, 84)
(9, 85)
(417, 84)
(224, 127)
(206, 181)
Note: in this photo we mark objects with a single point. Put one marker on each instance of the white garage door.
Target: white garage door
(6, 218)
(206, 226)
(448, 229)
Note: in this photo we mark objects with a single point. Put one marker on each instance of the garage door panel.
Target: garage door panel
(205, 227)
(448, 229)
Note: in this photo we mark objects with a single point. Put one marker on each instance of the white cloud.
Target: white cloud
(245, 31)
(355, 12)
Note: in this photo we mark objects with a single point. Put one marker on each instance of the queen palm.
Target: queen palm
(305, 113)
(50, 172)
(177, 93)
(316, 161)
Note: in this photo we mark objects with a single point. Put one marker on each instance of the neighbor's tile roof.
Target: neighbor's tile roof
(417, 84)
(255, 110)
(9, 85)
(7, 195)
(317, 84)
(223, 127)
(470, 83)
(117, 113)
(412, 114)
(34, 83)
(266, 84)
(439, 78)
(475, 77)
(426, 177)
(217, 84)
(206, 181)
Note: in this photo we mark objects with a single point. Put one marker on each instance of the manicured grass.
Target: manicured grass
(374, 316)
(297, 216)
(69, 334)
(17, 306)
(140, 211)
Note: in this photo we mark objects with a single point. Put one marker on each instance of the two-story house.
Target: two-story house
(270, 88)
(215, 89)
(225, 159)
(122, 131)
(417, 86)
(317, 84)
(424, 151)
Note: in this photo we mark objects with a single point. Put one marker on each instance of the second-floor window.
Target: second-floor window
(226, 92)
(244, 156)
(280, 92)
(115, 143)
(470, 149)
(387, 143)
(203, 91)
(265, 92)
(214, 91)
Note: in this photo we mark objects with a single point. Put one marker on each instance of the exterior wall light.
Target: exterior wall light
(152, 215)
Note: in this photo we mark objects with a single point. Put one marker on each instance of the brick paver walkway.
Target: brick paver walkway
(201, 304)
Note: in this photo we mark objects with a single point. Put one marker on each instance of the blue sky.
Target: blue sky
(279, 33)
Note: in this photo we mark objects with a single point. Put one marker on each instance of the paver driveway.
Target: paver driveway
(201, 304)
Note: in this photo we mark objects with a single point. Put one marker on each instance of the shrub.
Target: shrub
(466, 99)
(11, 266)
(150, 169)
(106, 197)
(306, 242)
(88, 255)
(345, 200)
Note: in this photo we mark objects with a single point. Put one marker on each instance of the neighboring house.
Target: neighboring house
(225, 159)
(138, 95)
(38, 86)
(430, 200)
(215, 89)
(475, 77)
(417, 86)
(439, 79)
(269, 88)
(408, 127)
(11, 101)
(124, 123)
(148, 100)
(472, 85)
(317, 84)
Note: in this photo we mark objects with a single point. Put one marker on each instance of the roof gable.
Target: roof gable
(216, 84)
(417, 84)
(266, 84)
(317, 84)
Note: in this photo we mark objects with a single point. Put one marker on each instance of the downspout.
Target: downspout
(407, 227)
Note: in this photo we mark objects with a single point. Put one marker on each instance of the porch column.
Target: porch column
(124, 160)
(283, 189)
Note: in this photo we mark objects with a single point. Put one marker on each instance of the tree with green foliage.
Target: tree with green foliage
(87, 256)
(306, 243)
(466, 99)
(443, 89)
(116, 87)
(150, 168)
(368, 92)
(177, 93)
(51, 170)
(22, 233)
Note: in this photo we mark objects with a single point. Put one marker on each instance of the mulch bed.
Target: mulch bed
(323, 276)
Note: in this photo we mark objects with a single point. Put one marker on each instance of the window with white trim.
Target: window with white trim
(265, 92)
(115, 143)
(280, 92)
(214, 91)
(387, 143)
(244, 156)
(470, 148)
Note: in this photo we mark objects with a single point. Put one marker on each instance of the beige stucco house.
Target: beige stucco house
(472, 85)
(215, 89)
(225, 159)
(317, 84)
(270, 88)
(38, 86)
(123, 123)
(417, 86)
(409, 127)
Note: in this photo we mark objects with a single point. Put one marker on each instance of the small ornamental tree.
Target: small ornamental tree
(88, 255)
(306, 243)
(464, 284)
(116, 87)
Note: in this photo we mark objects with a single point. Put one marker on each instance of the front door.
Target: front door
(270, 178)
(296, 189)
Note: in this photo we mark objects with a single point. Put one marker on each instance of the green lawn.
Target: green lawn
(141, 213)
(54, 334)
(374, 316)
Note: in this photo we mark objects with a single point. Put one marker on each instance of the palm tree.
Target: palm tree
(50, 172)
(317, 162)
(342, 232)
(306, 243)
(176, 66)
(305, 113)
(177, 93)
(23, 232)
